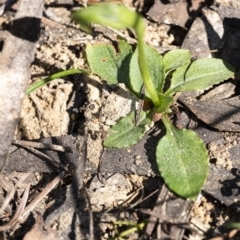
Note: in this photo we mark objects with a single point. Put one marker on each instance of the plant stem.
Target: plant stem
(139, 28)
(166, 122)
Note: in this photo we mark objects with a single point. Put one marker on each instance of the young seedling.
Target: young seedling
(181, 155)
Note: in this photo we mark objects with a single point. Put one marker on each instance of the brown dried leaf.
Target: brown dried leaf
(223, 115)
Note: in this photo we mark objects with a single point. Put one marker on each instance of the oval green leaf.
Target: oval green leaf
(124, 133)
(176, 58)
(183, 161)
(155, 67)
(201, 74)
(110, 65)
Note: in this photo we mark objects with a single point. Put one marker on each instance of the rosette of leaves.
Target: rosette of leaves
(181, 155)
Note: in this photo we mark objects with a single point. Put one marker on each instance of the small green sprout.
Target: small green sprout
(181, 155)
(132, 228)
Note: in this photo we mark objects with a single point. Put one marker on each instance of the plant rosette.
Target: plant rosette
(181, 155)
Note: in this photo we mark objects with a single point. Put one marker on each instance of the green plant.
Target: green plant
(53, 77)
(181, 155)
(132, 227)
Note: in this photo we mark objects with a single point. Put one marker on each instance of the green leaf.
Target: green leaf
(125, 133)
(178, 78)
(182, 160)
(201, 74)
(109, 64)
(53, 77)
(108, 14)
(176, 58)
(233, 225)
(117, 16)
(155, 67)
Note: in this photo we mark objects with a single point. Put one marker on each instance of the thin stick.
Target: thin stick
(39, 145)
(91, 226)
(52, 161)
(49, 187)
(11, 194)
(19, 211)
(144, 199)
(129, 39)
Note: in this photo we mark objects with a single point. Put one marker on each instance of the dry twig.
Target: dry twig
(17, 55)
(18, 212)
(43, 194)
(39, 145)
(11, 194)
